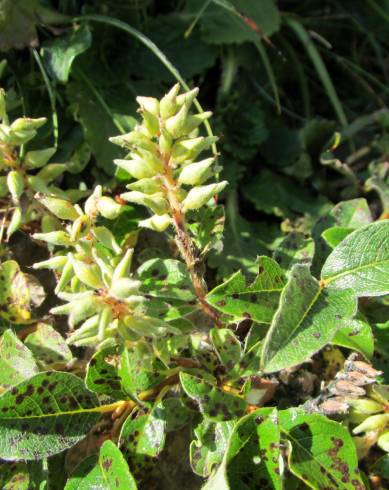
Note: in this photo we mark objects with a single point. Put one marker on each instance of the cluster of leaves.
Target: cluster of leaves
(166, 349)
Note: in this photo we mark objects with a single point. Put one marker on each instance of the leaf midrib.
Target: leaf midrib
(353, 270)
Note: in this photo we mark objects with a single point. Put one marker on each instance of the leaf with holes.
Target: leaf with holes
(214, 403)
(208, 448)
(307, 319)
(102, 376)
(166, 279)
(111, 472)
(361, 261)
(19, 292)
(142, 440)
(16, 361)
(48, 346)
(257, 301)
(252, 458)
(323, 453)
(44, 415)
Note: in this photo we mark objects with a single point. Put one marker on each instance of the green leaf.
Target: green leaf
(252, 458)
(347, 214)
(334, 235)
(361, 261)
(102, 376)
(111, 472)
(19, 292)
(221, 22)
(16, 361)
(173, 412)
(323, 454)
(167, 279)
(214, 403)
(59, 54)
(207, 226)
(48, 346)
(44, 415)
(356, 335)
(208, 448)
(258, 301)
(307, 319)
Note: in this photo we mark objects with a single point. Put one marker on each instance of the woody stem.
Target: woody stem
(184, 242)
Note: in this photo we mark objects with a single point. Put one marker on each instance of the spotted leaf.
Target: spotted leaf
(19, 293)
(44, 415)
(16, 361)
(258, 300)
(323, 454)
(48, 346)
(110, 472)
(214, 403)
(252, 457)
(103, 376)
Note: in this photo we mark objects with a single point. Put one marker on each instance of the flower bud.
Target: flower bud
(86, 330)
(59, 238)
(374, 422)
(196, 173)
(15, 223)
(15, 184)
(124, 287)
(365, 406)
(104, 320)
(383, 441)
(199, 196)
(156, 222)
(150, 123)
(123, 267)
(56, 262)
(23, 130)
(168, 105)
(188, 97)
(175, 125)
(51, 171)
(147, 186)
(80, 228)
(149, 104)
(91, 203)
(37, 159)
(89, 274)
(59, 207)
(66, 275)
(109, 208)
(156, 202)
(190, 148)
(165, 142)
(193, 122)
(134, 139)
(104, 236)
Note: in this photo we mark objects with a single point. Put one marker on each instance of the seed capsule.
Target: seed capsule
(198, 196)
(374, 422)
(59, 207)
(15, 223)
(196, 173)
(156, 222)
(109, 208)
(168, 105)
(39, 158)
